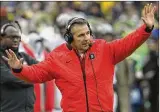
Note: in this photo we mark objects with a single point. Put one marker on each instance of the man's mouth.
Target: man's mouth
(15, 45)
(84, 44)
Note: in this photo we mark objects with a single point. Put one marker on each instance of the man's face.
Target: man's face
(12, 38)
(81, 37)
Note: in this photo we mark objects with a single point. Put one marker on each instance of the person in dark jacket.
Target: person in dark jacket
(83, 67)
(151, 72)
(15, 95)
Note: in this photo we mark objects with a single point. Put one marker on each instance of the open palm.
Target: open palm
(12, 59)
(148, 15)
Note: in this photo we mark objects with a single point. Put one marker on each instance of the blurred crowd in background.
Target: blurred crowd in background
(43, 24)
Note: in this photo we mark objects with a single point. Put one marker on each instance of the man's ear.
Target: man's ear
(0, 38)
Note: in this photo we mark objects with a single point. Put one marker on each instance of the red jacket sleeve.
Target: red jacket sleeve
(124, 47)
(41, 72)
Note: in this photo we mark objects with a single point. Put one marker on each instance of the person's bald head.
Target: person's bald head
(12, 31)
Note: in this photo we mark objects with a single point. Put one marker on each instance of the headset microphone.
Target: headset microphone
(91, 56)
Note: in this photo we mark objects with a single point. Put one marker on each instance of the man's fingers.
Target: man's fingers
(5, 58)
(143, 12)
(153, 9)
(12, 54)
(8, 54)
(147, 8)
(150, 7)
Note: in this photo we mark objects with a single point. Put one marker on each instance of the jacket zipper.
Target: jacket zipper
(84, 79)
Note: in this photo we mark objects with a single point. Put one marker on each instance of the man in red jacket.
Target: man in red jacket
(83, 68)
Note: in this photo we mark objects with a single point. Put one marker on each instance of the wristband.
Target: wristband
(17, 70)
(148, 30)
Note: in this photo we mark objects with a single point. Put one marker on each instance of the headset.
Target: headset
(10, 23)
(68, 35)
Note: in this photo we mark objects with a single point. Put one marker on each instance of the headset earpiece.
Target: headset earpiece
(68, 36)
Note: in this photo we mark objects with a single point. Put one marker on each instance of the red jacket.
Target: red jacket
(63, 65)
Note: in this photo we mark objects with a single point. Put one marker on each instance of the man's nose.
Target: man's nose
(86, 37)
(15, 39)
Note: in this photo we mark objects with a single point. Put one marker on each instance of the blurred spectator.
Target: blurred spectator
(94, 10)
(45, 91)
(61, 22)
(105, 31)
(3, 16)
(151, 70)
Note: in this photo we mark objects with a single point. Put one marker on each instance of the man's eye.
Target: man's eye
(80, 35)
(88, 33)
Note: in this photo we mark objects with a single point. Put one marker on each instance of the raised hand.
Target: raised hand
(12, 59)
(148, 15)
